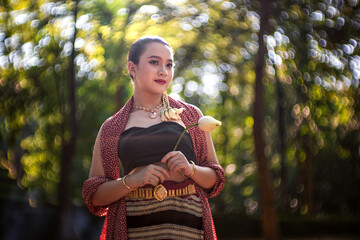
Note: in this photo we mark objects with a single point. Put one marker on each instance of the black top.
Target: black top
(140, 146)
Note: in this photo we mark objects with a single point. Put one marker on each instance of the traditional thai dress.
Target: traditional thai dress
(134, 216)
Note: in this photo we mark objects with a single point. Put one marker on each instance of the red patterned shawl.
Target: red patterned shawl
(115, 221)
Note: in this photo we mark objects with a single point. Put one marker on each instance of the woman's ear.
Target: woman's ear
(131, 68)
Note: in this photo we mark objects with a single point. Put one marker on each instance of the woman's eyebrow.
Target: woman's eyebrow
(154, 56)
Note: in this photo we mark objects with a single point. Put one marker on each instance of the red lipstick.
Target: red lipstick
(160, 81)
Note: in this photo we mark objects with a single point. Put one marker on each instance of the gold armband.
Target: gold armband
(123, 181)
(193, 171)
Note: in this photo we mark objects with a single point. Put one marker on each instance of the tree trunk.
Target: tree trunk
(281, 145)
(69, 144)
(269, 214)
(306, 177)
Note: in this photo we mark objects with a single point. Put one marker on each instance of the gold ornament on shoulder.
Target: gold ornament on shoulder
(169, 113)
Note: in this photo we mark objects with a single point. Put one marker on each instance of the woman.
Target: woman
(162, 193)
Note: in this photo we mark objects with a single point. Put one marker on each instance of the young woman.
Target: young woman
(162, 193)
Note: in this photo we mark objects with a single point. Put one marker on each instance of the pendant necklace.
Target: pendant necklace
(152, 112)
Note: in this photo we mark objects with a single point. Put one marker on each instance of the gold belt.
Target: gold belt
(160, 192)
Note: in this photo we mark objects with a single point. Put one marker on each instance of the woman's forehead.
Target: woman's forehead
(158, 50)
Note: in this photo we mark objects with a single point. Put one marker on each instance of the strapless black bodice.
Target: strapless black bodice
(140, 146)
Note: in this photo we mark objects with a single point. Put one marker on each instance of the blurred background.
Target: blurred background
(282, 76)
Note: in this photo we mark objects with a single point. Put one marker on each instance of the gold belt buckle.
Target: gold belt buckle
(160, 192)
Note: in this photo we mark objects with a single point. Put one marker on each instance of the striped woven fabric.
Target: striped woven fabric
(172, 218)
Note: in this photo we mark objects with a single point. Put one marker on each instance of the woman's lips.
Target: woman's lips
(160, 81)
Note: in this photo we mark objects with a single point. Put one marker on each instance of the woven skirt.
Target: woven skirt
(177, 216)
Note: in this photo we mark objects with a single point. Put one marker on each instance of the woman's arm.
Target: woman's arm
(205, 177)
(112, 191)
(107, 192)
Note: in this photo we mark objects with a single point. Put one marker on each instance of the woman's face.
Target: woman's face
(155, 70)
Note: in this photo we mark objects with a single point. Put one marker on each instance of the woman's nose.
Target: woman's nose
(163, 71)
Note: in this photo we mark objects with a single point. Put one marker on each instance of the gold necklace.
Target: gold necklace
(152, 112)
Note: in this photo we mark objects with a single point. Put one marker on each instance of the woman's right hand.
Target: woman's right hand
(151, 174)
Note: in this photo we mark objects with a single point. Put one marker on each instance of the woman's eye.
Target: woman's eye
(154, 62)
(170, 65)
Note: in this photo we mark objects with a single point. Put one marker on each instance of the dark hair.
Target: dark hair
(139, 47)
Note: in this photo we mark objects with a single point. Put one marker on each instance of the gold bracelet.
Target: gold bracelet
(193, 171)
(123, 181)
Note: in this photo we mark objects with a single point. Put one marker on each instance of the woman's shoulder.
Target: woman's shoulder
(190, 111)
(178, 103)
(118, 121)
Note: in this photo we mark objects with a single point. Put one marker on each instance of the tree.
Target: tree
(68, 125)
(269, 215)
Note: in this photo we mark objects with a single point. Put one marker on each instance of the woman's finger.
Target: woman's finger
(153, 181)
(162, 170)
(168, 156)
(176, 162)
(160, 176)
(178, 167)
(173, 164)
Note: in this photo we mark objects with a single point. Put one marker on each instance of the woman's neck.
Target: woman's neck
(148, 101)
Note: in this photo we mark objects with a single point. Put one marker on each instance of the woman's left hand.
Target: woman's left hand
(177, 162)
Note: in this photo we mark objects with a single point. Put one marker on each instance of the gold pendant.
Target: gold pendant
(160, 192)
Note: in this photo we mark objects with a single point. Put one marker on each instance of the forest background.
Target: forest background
(282, 76)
